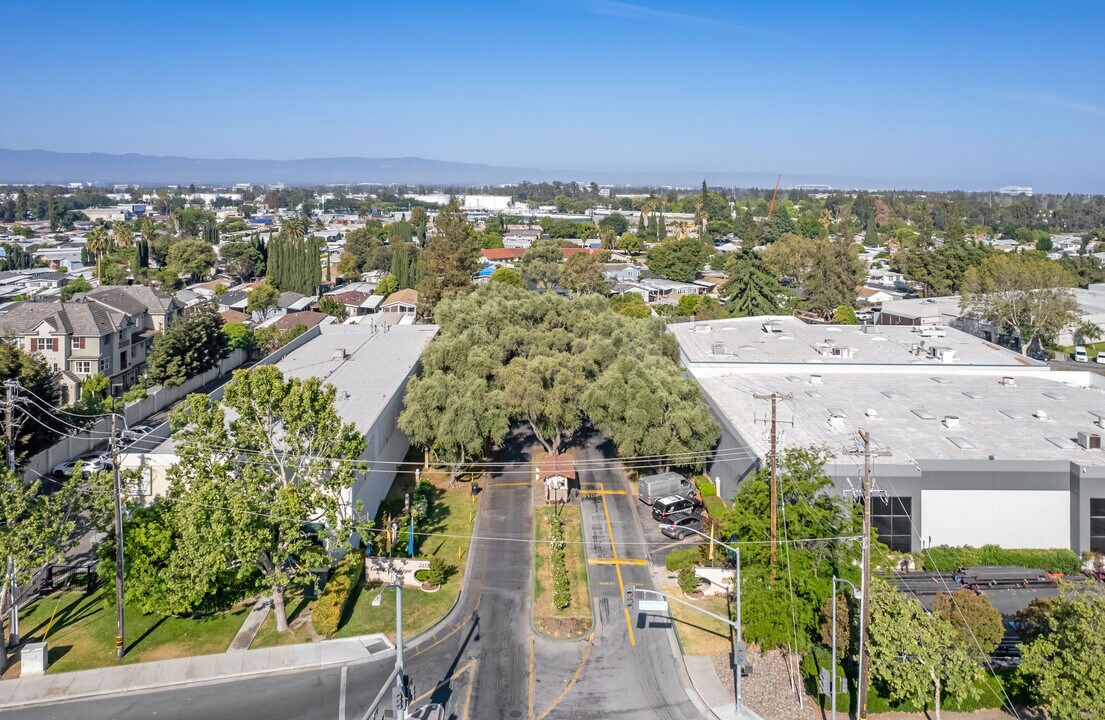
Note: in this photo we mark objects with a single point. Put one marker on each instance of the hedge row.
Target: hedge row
(705, 486)
(331, 603)
(562, 595)
(715, 506)
(945, 558)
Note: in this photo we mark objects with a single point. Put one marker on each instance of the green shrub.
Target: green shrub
(714, 505)
(685, 558)
(705, 486)
(945, 558)
(438, 571)
(562, 593)
(331, 603)
(688, 581)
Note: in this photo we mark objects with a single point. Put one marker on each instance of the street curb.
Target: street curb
(172, 685)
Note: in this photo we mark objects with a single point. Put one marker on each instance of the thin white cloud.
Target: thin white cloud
(1053, 101)
(614, 8)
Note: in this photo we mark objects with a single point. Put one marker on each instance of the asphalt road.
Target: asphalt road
(479, 663)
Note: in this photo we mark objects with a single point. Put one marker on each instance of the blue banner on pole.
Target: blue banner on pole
(410, 539)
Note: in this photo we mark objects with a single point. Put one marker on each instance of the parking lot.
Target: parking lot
(658, 545)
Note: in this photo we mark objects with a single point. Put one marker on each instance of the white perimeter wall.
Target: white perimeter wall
(1010, 518)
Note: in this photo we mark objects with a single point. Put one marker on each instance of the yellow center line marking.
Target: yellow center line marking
(471, 684)
(460, 671)
(575, 676)
(618, 569)
(616, 561)
(509, 484)
(602, 492)
(532, 641)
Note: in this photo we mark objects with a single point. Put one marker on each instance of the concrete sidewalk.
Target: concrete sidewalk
(196, 670)
(708, 686)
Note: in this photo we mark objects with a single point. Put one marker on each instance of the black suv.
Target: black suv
(671, 504)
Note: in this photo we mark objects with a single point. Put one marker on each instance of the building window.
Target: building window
(1097, 525)
(75, 343)
(105, 364)
(890, 517)
(44, 343)
(83, 367)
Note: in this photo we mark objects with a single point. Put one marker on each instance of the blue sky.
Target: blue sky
(928, 94)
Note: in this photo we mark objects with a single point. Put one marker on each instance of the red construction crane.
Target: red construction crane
(771, 207)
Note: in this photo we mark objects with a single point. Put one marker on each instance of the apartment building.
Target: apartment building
(108, 330)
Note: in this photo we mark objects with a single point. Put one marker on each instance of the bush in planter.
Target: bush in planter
(326, 615)
(679, 559)
(437, 573)
(688, 581)
(705, 486)
(562, 592)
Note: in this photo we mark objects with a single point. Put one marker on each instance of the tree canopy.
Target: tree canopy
(507, 355)
(675, 259)
(193, 344)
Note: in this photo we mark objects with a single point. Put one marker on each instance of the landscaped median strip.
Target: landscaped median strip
(188, 671)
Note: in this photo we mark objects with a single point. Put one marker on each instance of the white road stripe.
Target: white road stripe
(341, 694)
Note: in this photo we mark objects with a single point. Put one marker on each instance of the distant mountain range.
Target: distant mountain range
(46, 167)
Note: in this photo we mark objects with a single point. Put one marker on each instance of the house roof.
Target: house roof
(287, 299)
(556, 465)
(351, 297)
(78, 318)
(133, 299)
(570, 251)
(870, 292)
(503, 253)
(233, 316)
(307, 318)
(407, 296)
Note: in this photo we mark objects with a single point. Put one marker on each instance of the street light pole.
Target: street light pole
(832, 686)
(404, 689)
(738, 670)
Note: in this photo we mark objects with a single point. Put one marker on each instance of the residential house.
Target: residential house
(403, 302)
(869, 297)
(357, 302)
(521, 238)
(503, 257)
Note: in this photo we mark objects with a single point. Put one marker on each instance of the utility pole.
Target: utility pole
(865, 583)
(119, 615)
(774, 398)
(11, 394)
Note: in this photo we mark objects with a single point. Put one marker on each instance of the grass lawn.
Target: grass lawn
(700, 634)
(574, 620)
(452, 514)
(82, 634)
(299, 614)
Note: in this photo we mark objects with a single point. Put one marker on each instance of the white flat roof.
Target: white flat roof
(743, 341)
(377, 361)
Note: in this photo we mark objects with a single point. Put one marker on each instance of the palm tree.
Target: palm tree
(147, 228)
(293, 229)
(96, 241)
(124, 235)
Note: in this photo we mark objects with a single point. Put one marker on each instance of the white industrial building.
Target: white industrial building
(987, 446)
(369, 365)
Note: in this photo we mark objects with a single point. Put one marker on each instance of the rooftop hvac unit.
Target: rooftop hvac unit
(1008, 381)
(815, 379)
(718, 348)
(1040, 414)
(871, 412)
(772, 326)
(836, 421)
(700, 328)
(1090, 441)
(339, 354)
(951, 421)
